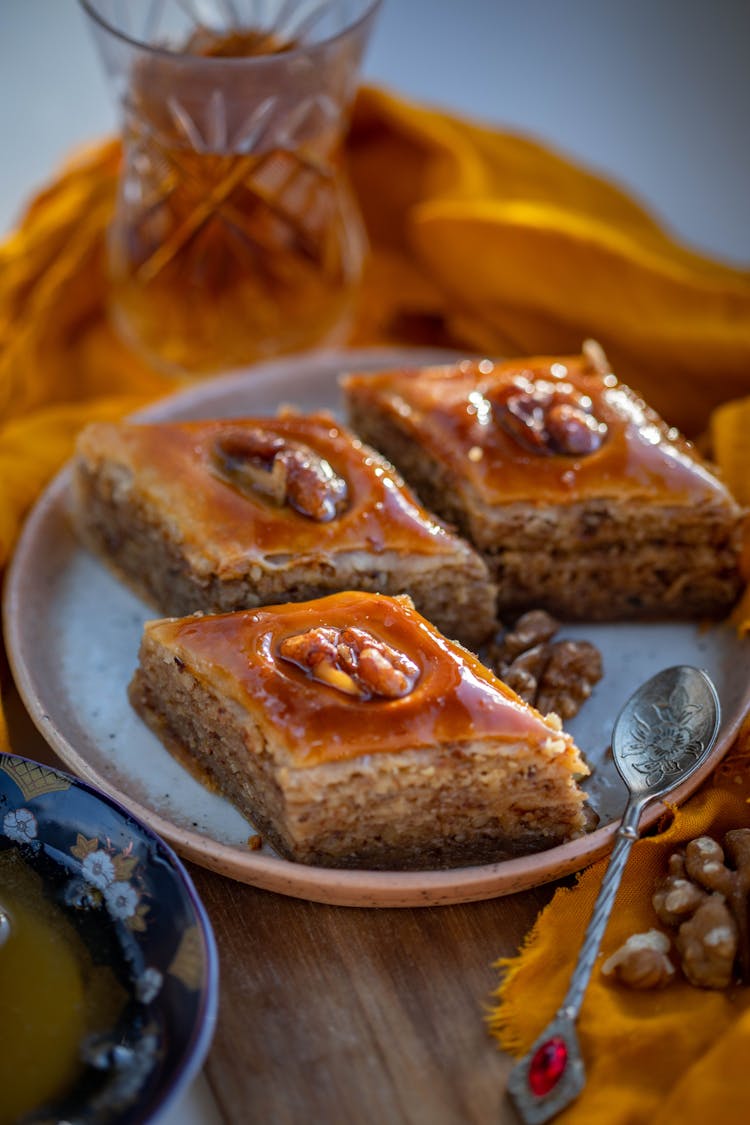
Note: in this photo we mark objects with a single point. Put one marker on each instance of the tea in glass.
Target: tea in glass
(235, 235)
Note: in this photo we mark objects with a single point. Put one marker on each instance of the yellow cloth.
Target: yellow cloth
(489, 242)
(526, 253)
(679, 1054)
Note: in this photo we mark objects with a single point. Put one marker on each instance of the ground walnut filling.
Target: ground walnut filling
(282, 472)
(353, 661)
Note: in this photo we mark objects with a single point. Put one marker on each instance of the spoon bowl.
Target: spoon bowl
(665, 731)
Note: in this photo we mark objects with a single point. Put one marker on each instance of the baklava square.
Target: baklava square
(581, 499)
(353, 734)
(229, 514)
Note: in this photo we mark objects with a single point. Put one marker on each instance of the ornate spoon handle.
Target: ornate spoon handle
(551, 1074)
(627, 834)
(663, 734)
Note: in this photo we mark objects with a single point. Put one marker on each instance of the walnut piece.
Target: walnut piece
(568, 678)
(676, 897)
(533, 628)
(548, 418)
(553, 676)
(737, 845)
(283, 472)
(642, 962)
(704, 864)
(572, 430)
(707, 901)
(353, 661)
(707, 944)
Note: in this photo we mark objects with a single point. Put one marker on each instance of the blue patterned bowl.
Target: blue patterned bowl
(134, 905)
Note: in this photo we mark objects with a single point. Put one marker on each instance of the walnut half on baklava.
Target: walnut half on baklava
(582, 500)
(352, 734)
(229, 514)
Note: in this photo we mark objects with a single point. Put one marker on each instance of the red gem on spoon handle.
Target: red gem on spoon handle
(547, 1066)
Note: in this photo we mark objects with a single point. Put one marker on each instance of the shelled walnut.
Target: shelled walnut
(548, 418)
(351, 660)
(280, 471)
(642, 962)
(706, 902)
(551, 675)
(713, 930)
(707, 944)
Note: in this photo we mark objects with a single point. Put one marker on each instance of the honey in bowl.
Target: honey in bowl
(53, 996)
(235, 235)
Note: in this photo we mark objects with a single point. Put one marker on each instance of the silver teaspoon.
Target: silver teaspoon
(662, 735)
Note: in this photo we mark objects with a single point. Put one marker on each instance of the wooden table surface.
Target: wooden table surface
(344, 1015)
(335, 1015)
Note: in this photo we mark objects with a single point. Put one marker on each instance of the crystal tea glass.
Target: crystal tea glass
(235, 234)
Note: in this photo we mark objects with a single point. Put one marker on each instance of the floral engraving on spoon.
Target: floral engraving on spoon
(670, 726)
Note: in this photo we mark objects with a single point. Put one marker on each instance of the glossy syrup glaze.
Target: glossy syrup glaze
(178, 470)
(454, 698)
(458, 414)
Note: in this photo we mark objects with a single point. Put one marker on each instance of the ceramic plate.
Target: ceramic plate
(72, 632)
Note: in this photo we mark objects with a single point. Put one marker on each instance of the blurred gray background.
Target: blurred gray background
(655, 93)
